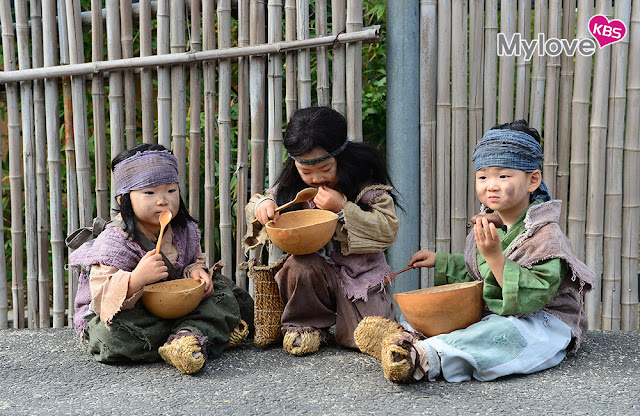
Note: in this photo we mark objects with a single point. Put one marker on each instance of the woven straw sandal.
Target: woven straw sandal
(300, 344)
(397, 363)
(185, 352)
(370, 333)
(238, 335)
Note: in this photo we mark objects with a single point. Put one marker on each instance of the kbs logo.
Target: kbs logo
(606, 32)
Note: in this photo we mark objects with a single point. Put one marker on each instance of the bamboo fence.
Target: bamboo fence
(200, 84)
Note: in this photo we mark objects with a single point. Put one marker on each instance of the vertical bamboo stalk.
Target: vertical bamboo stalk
(41, 168)
(476, 74)
(522, 65)
(580, 135)
(257, 92)
(179, 93)
(443, 131)
(224, 126)
(508, 15)
(304, 56)
(15, 171)
(459, 139)
(99, 125)
(29, 163)
(50, 37)
(354, 72)
(428, 33)
(195, 134)
(164, 76)
(116, 97)
(631, 185)
(126, 39)
(209, 42)
(321, 54)
(538, 76)
(242, 174)
(490, 64)
(551, 102)
(338, 25)
(4, 302)
(291, 95)
(564, 116)
(612, 280)
(146, 74)
(73, 214)
(596, 185)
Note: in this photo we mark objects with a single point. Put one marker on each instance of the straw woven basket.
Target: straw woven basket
(268, 306)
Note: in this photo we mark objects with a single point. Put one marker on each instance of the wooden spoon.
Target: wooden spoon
(165, 218)
(304, 195)
(389, 278)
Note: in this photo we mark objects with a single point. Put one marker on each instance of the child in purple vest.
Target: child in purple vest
(114, 268)
(533, 283)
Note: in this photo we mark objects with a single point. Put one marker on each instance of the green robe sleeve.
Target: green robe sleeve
(450, 268)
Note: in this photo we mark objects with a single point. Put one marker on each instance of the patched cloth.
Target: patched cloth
(145, 170)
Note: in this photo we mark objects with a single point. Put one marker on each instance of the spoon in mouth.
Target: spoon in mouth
(165, 218)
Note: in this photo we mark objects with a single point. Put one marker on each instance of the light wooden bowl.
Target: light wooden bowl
(174, 298)
(302, 232)
(442, 309)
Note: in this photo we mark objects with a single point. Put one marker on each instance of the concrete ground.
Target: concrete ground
(47, 372)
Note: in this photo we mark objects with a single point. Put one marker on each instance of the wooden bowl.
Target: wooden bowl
(302, 232)
(174, 298)
(442, 309)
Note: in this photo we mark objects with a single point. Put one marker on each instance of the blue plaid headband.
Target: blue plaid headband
(511, 149)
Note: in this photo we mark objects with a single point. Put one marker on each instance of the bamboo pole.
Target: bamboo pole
(428, 33)
(257, 94)
(508, 15)
(538, 75)
(116, 96)
(164, 76)
(179, 93)
(596, 183)
(195, 103)
(242, 170)
(71, 187)
(631, 185)
(146, 75)
(99, 124)
(338, 25)
(580, 135)
(476, 74)
(443, 130)
(550, 168)
(612, 280)
(41, 169)
(459, 136)
(209, 43)
(50, 37)
(15, 171)
(353, 55)
(29, 164)
(224, 126)
(291, 89)
(126, 39)
(4, 302)
(322, 60)
(304, 57)
(522, 65)
(564, 116)
(490, 64)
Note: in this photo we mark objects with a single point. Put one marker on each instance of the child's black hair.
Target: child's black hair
(126, 209)
(519, 125)
(357, 165)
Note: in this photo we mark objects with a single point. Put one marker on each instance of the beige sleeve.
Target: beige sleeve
(109, 286)
(256, 233)
(368, 231)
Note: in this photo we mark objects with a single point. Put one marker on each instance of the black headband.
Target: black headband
(310, 162)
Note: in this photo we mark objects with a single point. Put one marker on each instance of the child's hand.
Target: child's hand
(329, 199)
(200, 274)
(266, 211)
(150, 269)
(487, 239)
(423, 258)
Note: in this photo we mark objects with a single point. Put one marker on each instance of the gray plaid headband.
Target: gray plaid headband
(144, 170)
(310, 162)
